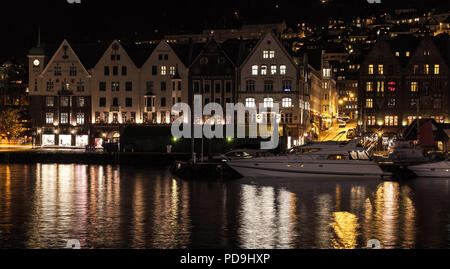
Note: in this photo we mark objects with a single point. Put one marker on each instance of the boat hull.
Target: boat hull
(433, 170)
(329, 170)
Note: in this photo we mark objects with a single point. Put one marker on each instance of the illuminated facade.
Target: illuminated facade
(402, 80)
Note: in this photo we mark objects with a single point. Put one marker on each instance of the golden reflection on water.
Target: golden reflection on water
(121, 207)
(274, 219)
(345, 227)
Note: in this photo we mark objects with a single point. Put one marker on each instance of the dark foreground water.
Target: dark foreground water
(43, 206)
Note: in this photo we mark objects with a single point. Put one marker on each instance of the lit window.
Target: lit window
(268, 103)
(427, 69)
(172, 70)
(163, 70)
(250, 103)
(271, 54)
(371, 121)
(414, 86)
(369, 86)
(273, 70)
(287, 102)
(391, 120)
(49, 118)
(392, 86)
(369, 103)
(255, 70)
(380, 86)
(283, 70)
(80, 118)
(371, 70)
(408, 54)
(264, 70)
(266, 54)
(64, 118)
(381, 69)
(436, 69)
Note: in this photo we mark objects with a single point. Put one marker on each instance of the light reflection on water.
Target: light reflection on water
(42, 206)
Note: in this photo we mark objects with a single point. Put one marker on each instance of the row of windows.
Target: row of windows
(115, 117)
(268, 54)
(115, 102)
(65, 86)
(163, 70)
(264, 70)
(268, 103)
(394, 120)
(65, 101)
(115, 86)
(392, 103)
(129, 102)
(392, 86)
(72, 71)
(427, 69)
(208, 84)
(64, 118)
(115, 70)
(250, 86)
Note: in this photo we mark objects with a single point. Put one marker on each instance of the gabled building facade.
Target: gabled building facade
(270, 76)
(214, 76)
(116, 88)
(164, 80)
(401, 83)
(60, 97)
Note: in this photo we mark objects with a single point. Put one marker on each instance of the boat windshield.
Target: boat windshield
(359, 155)
(300, 151)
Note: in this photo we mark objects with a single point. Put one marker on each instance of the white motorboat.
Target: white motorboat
(325, 160)
(432, 170)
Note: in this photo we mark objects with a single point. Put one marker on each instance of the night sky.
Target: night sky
(129, 20)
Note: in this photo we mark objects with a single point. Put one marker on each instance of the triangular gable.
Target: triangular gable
(288, 55)
(123, 52)
(57, 53)
(212, 40)
(162, 44)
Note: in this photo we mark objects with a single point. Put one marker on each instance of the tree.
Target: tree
(10, 124)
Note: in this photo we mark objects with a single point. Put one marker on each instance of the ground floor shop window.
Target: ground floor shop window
(48, 140)
(65, 140)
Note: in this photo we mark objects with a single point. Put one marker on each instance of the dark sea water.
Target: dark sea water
(44, 206)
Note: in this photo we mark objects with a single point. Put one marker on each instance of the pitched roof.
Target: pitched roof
(187, 52)
(238, 50)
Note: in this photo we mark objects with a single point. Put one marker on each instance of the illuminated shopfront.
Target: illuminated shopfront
(48, 140)
(82, 141)
(65, 140)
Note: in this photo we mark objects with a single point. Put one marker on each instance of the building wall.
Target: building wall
(60, 96)
(163, 58)
(396, 105)
(120, 112)
(258, 58)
